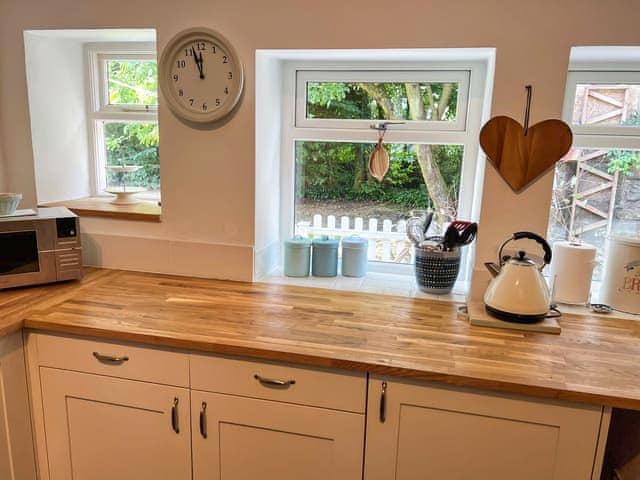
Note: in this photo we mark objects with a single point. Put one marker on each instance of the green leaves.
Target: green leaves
(132, 82)
(623, 161)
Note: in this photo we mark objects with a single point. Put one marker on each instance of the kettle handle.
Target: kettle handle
(531, 236)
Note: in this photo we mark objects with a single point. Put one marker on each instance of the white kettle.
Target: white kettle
(518, 292)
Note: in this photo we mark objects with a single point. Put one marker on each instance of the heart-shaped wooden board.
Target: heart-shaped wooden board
(521, 159)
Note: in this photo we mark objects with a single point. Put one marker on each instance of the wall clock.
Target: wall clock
(201, 75)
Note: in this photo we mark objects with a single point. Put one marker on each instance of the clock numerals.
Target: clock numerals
(201, 46)
(188, 52)
(218, 102)
(225, 59)
(181, 92)
(191, 102)
(213, 48)
(226, 90)
(175, 77)
(204, 107)
(181, 63)
(229, 75)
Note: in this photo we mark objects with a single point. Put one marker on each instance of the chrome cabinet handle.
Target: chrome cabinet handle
(174, 415)
(383, 403)
(271, 382)
(203, 420)
(109, 358)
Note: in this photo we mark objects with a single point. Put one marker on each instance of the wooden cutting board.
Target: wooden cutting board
(479, 317)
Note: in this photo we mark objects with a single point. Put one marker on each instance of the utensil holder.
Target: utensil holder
(436, 271)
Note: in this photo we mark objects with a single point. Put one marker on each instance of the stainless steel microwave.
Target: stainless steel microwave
(42, 248)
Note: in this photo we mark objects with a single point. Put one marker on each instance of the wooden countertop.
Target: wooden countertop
(594, 359)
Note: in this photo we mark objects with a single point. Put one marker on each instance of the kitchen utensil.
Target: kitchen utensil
(460, 225)
(522, 154)
(600, 308)
(451, 239)
(518, 292)
(621, 283)
(415, 229)
(379, 161)
(436, 270)
(297, 257)
(354, 256)
(324, 257)
(427, 222)
(468, 234)
(9, 202)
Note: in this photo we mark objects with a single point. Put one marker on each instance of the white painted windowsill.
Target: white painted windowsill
(373, 283)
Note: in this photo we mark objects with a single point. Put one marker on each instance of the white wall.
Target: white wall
(56, 80)
(208, 175)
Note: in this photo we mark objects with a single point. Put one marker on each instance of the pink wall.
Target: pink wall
(207, 175)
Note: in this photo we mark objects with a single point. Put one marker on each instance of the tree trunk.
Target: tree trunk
(436, 186)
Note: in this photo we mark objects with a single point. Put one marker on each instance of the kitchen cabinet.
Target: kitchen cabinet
(237, 438)
(101, 428)
(260, 419)
(17, 461)
(423, 431)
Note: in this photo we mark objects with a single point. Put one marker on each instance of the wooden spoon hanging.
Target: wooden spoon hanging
(379, 161)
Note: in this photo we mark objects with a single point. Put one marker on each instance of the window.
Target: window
(436, 110)
(596, 184)
(123, 117)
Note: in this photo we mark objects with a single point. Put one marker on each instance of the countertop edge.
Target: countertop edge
(274, 354)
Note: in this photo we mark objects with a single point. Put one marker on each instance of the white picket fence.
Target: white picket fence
(388, 245)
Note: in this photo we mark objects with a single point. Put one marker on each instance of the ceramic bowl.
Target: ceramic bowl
(9, 202)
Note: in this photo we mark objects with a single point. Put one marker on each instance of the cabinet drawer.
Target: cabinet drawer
(260, 379)
(114, 359)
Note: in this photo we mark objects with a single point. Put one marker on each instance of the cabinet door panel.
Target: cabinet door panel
(101, 428)
(433, 432)
(250, 439)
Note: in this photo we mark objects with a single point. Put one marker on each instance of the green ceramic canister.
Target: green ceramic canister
(297, 256)
(325, 257)
(354, 256)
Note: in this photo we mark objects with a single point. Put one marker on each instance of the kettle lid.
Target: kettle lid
(521, 259)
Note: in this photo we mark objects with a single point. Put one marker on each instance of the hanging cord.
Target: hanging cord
(527, 109)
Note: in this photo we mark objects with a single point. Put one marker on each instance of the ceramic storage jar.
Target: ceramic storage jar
(325, 257)
(297, 257)
(354, 256)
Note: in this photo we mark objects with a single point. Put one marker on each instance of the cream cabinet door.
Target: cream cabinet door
(438, 433)
(17, 460)
(104, 428)
(239, 438)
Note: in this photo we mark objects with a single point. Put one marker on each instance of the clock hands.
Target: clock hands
(198, 59)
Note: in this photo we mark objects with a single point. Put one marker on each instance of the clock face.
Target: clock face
(201, 75)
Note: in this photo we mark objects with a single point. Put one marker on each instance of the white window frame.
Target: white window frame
(431, 132)
(99, 110)
(598, 77)
(461, 77)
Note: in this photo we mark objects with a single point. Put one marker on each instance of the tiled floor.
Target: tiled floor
(373, 282)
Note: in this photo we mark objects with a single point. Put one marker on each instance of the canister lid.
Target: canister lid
(355, 242)
(325, 242)
(298, 242)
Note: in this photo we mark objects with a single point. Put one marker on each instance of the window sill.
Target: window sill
(145, 211)
(373, 283)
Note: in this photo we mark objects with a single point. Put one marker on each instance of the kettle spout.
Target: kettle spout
(493, 268)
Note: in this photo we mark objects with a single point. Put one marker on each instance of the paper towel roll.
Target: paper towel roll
(571, 270)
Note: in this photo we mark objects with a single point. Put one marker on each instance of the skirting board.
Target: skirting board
(479, 317)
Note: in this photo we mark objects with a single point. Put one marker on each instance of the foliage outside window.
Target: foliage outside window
(426, 157)
(125, 98)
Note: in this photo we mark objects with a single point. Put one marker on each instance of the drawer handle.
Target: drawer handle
(203, 420)
(271, 382)
(383, 403)
(109, 358)
(174, 415)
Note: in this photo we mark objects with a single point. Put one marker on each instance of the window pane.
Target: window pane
(607, 105)
(333, 186)
(596, 191)
(382, 101)
(132, 82)
(133, 143)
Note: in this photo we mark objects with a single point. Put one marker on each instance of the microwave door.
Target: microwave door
(19, 253)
